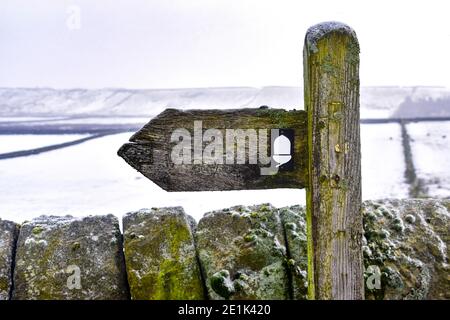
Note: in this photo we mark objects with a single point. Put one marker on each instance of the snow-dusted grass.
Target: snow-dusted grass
(430, 146)
(17, 142)
(91, 179)
(382, 160)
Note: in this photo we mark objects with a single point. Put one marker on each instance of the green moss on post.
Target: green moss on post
(334, 220)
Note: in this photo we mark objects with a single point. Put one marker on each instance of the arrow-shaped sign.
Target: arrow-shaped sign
(199, 150)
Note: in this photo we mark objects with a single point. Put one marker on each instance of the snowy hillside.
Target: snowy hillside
(376, 102)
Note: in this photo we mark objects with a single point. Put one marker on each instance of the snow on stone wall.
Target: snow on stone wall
(243, 252)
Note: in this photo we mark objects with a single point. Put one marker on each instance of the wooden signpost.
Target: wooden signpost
(150, 150)
(317, 149)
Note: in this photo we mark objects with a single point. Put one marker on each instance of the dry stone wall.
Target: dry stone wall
(254, 252)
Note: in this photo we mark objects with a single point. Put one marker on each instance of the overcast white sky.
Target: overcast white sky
(208, 43)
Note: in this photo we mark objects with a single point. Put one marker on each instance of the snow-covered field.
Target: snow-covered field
(430, 146)
(91, 179)
(18, 142)
(382, 161)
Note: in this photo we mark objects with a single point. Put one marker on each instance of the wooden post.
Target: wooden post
(334, 218)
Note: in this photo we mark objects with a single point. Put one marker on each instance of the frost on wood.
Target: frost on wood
(66, 258)
(320, 30)
(160, 255)
(8, 237)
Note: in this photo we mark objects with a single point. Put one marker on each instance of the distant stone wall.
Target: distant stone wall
(256, 252)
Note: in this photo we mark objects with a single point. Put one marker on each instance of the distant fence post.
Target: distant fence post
(334, 218)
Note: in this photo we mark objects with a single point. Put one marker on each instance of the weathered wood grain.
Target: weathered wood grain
(149, 150)
(331, 85)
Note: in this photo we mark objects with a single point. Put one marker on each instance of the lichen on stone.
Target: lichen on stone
(58, 259)
(294, 223)
(408, 241)
(161, 256)
(242, 253)
(221, 283)
(8, 237)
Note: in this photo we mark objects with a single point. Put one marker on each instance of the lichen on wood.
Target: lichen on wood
(334, 220)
